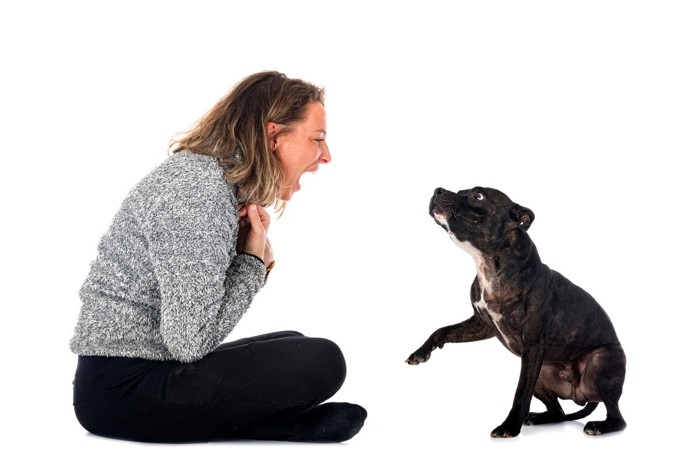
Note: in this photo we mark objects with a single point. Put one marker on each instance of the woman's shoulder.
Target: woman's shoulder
(183, 176)
(187, 169)
(185, 164)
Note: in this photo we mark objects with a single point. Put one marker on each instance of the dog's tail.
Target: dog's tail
(585, 412)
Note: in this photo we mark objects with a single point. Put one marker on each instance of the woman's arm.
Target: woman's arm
(205, 287)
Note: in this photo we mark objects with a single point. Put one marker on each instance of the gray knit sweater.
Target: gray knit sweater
(167, 283)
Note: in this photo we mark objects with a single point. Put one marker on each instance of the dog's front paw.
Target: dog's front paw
(423, 353)
(505, 431)
(419, 356)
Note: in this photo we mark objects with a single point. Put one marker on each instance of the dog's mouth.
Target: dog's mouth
(434, 206)
(438, 207)
(439, 215)
(441, 219)
(441, 207)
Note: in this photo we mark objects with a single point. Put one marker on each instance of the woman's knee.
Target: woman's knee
(97, 417)
(301, 369)
(328, 363)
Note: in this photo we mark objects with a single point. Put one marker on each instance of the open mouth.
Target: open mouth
(441, 219)
(435, 207)
(311, 170)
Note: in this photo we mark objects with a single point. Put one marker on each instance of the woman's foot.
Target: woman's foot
(331, 422)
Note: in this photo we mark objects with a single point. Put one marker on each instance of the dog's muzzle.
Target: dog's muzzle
(441, 202)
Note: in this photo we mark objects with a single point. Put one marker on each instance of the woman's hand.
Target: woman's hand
(269, 254)
(253, 222)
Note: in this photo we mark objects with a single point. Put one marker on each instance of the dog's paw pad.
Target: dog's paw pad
(605, 426)
(502, 432)
(417, 358)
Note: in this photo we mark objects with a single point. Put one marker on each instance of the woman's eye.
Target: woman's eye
(478, 196)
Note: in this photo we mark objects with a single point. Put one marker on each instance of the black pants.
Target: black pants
(240, 386)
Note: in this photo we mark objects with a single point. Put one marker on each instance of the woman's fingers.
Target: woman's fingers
(269, 253)
(253, 222)
(256, 239)
(264, 217)
(254, 218)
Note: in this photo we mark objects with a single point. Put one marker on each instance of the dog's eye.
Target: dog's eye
(478, 196)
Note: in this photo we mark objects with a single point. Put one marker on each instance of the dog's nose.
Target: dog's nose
(439, 191)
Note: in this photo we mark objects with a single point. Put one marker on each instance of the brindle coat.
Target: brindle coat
(566, 341)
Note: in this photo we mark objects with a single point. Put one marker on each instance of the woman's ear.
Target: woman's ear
(272, 130)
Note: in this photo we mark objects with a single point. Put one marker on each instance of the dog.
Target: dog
(566, 341)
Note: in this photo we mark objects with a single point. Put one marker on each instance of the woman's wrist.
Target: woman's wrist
(268, 267)
(254, 256)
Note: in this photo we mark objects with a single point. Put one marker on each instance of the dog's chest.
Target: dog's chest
(507, 336)
(490, 311)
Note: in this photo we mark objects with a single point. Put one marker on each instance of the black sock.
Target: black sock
(332, 422)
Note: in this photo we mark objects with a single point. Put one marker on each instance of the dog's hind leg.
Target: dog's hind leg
(607, 369)
(585, 412)
(549, 379)
(553, 414)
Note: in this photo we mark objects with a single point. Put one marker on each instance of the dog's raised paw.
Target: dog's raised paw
(417, 358)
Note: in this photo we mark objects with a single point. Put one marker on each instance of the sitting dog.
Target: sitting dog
(566, 342)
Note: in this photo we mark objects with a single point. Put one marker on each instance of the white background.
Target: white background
(585, 112)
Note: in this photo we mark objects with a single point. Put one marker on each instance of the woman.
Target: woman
(180, 264)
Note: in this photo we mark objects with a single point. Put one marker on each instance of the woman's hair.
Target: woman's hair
(234, 132)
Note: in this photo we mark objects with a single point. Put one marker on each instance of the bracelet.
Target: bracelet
(269, 269)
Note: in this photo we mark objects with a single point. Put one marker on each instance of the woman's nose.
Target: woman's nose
(325, 153)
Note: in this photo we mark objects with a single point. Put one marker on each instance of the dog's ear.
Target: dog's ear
(522, 216)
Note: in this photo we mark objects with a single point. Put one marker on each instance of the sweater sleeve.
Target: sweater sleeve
(190, 224)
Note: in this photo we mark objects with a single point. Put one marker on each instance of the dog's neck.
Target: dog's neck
(494, 275)
(485, 271)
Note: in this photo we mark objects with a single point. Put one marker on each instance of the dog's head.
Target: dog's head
(481, 218)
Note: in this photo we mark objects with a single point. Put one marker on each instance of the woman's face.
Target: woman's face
(301, 148)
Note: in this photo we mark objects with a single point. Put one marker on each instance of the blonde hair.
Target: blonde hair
(234, 132)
